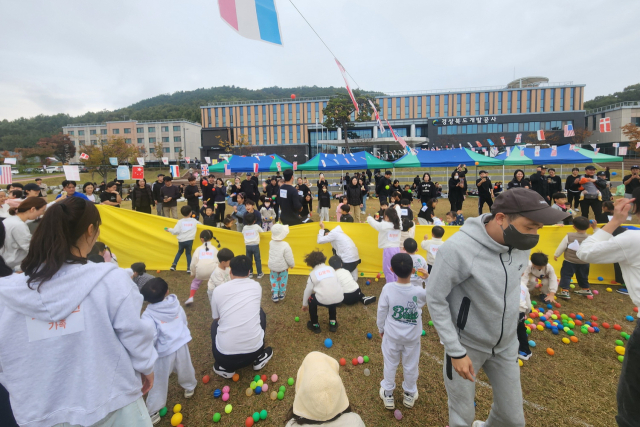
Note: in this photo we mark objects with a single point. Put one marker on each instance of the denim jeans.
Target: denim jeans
(364, 203)
(159, 209)
(184, 247)
(253, 252)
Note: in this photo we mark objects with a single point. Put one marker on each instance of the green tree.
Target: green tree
(339, 110)
(158, 149)
(99, 155)
(629, 93)
(61, 147)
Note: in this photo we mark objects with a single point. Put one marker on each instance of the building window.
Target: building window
(248, 116)
(552, 102)
(419, 107)
(127, 130)
(290, 116)
(175, 150)
(177, 139)
(165, 139)
(80, 133)
(152, 140)
(127, 141)
(429, 106)
(103, 131)
(94, 142)
(216, 113)
(275, 134)
(224, 118)
(573, 92)
(509, 99)
(298, 113)
(231, 116)
(152, 150)
(561, 99)
(298, 134)
(241, 116)
(468, 104)
(519, 101)
(175, 128)
(635, 121)
(81, 142)
(437, 106)
(317, 111)
(71, 132)
(486, 102)
(282, 135)
(290, 133)
(264, 135)
(397, 108)
(541, 100)
(116, 131)
(92, 132)
(209, 117)
(151, 129)
(140, 140)
(275, 114)
(458, 104)
(500, 103)
(406, 106)
(389, 109)
(308, 112)
(446, 105)
(255, 114)
(282, 118)
(249, 135)
(528, 101)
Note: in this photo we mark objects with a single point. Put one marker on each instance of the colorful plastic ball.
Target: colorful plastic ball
(591, 330)
(217, 393)
(366, 359)
(282, 388)
(595, 292)
(570, 333)
(226, 389)
(549, 306)
(258, 390)
(216, 417)
(629, 318)
(600, 278)
(290, 381)
(573, 339)
(225, 396)
(424, 203)
(555, 331)
(430, 322)
(260, 383)
(578, 322)
(343, 362)
(253, 385)
(625, 335)
(620, 359)
(360, 360)
(558, 305)
(540, 327)
(572, 286)
(263, 414)
(176, 419)
(594, 318)
(572, 315)
(256, 378)
(477, 163)
(205, 379)
(369, 336)
(235, 378)
(543, 319)
(354, 361)
(596, 329)
(280, 395)
(248, 391)
(397, 414)
(566, 340)
(274, 395)
(162, 412)
(157, 271)
(532, 343)
(293, 96)
(614, 173)
(609, 290)
(274, 378)
(579, 316)
(554, 317)
(256, 416)
(617, 327)
(619, 342)
(368, 282)
(297, 319)
(328, 343)
(228, 409)
(265, 387)
(520, 363)
(248, 422)
(424, 332)
(550, 351)
(589, 296)
(620, 350)
(635, 309)
(367, 372)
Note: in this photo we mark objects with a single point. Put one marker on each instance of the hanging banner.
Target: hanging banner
(375, 112)
(227, 171)
(346, 82)
(518, 139)
(123, 173)
(71, 173)
(204, 169)
(138, 172)
(537, 151)
(504, 142)
(175, 171)
(10, 160)
(208, 160)
(165, 161)
(187, 159)
(113, 161)
(295, 166)
(84, 156)
(554, 151)
(255, 168)
(622, 151)
(5, 175)
(141, 161)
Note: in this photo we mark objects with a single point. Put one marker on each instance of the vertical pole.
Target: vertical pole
(503, 185)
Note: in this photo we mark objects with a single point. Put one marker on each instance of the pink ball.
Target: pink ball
(589, 296)
(225, 397)
(274, 378)
(226, 389)
(360, 360)
(265, 387)
(595, 292)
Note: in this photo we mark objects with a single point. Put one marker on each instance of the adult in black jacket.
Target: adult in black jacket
(289, 201)
(142, 199)
(462, 173)
(383, 187)
(220, 200)
(485, 191)
(426, 188)
(250, 188)
(456, 191)
(157, 195)
(540, 184)
(555, 182)
(256, 197)
(519, 181)
(303, 192)
(271, 192)
(369, 175)
(208, 189)
(355, 192)
(573, 188)
(235, 189)
(191, 193)
(416, 180)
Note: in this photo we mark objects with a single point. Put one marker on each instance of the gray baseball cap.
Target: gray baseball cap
(529, 204)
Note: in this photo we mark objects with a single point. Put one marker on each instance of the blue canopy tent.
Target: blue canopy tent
(241, 164)
(338, 162)
(445, 158)
(563, 155)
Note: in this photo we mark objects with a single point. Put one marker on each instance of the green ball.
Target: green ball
(362, 274)
(290, 381)
(585, 331)
(563, 316)
(256, 378)
(570, 333)
(256, 416)
(216, 417)
(430, 322)
(424, 332)
(534, 303)
(620, 343)
(366, 359)
(566, 329)
(280, 395)
(297, 319)
(253, 385)
(572, 286)
(263, 414)
(528, 331)
(163, 411)
(282, 388)
(625, 335)
(386, 187)
(621, 358)
(409, 191)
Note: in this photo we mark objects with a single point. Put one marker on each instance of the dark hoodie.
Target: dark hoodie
(522, 183)
(455, 192)
(354, 195)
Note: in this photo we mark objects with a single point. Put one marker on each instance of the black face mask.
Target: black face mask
(517, 240)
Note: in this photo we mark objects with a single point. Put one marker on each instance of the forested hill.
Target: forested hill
(179, 105)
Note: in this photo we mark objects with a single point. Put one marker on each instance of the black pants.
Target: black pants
(313, 309)
(145, 209)
(219, 212)
(350, 266)
(6, 414)
(523, 339)
(629, 384)
(482, 200)
(195, 211)
(233, 362)
(353, 297)
(456, 203)
(290, 219)
(594, 204)
(618, 273)
(569, 269)
(429, 267)
(573, 197)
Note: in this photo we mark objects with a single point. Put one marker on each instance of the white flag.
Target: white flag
(380, 125)
(141, 161)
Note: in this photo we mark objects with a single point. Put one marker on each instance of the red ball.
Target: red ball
(343, 362)
(589, 296)
(605, 325)
(590, 330)
(354, 362)
(594, 317)
(558, 305)
(533, 315)
(293, 96)
(263, 378)
(594, 324)
(205, 379)
(556, 312)
(249, 422)
(578, 322)
(571, 315)
(635, 309)
(617, 327)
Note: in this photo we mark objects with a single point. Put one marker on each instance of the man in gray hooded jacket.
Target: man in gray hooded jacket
(473, 299)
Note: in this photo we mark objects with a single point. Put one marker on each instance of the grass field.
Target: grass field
(576, 386)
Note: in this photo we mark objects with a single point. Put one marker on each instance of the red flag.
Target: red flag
(478, 144)
(346, 82)
(138, 172)
(396, 136)
(540, 135)
(503, 141)
(295, 166)
(255, 168)
(605, 124)
(84, 156)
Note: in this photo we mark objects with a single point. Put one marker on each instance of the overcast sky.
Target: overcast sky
(74, 56)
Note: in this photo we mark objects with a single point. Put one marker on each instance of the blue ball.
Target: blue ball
(217, 393)
(543, 318)
(532, 343)
(596, 329)
(587, 323)
(369, 336)
(258, 390)
(555, 331)
(600, 278)
(549, 306)
(629, 318)
(578, 317)
(328, 343)
(424, 204)
(614, 173)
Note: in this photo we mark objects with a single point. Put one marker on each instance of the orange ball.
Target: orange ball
(550, 351)
(580, 314)
(617, 327)
(235, 378)
(343, 362)
(477, 163)
(574, 339)
(157, 271)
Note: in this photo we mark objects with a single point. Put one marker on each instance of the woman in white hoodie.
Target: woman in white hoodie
(18, 236)
(203, 262)
(78, 346)
(280, 261)
(389, 231)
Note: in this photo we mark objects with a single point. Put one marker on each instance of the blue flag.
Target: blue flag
(123, 173)
(113, 161)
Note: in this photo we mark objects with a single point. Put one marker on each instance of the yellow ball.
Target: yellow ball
(565, 340)
(176, 419)
(177, 408)
(260, 383)
(609, 290)
(520, 363)
(228, 409)
(540, 327)
(554, 317)
(376, 280)
(620, 350)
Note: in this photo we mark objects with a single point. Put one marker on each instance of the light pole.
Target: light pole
(184, 139)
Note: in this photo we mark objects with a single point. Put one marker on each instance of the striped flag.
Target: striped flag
(175, 172)
(84, 156)
(253, 19)
(568, 131)
(255, 168)
(396, 136)
(540, 135)
(5, 175)
(537, 150)
(295, 166)
(205, 170)
(227, 171)
(346, 82)
(380, 125)
(503, 140)
(518, 138)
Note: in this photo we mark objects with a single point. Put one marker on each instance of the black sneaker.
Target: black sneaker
(173, 268)
(368, 300)
(222, 371)
(333, 327)
(262, 360)
(314, 328)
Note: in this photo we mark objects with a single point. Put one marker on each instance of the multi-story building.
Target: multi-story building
(434, 118)
(619, 115)
(173, 135)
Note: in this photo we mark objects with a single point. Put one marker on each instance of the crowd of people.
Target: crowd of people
(63, 294)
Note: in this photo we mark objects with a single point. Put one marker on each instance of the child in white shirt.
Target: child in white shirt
(389, 231)
(220, 274)
(524, 352)
(350, 289)
(251, 232)
(185, 229)
(280, 261)
(432, 245)
(322, 289)
(400, 326)
(419, 263)
(540, 269)
(171, 340)
(204, 261)
(268, 215)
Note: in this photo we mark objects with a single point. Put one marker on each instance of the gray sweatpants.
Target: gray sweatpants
(504, 375)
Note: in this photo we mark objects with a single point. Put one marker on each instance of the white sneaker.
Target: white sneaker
(409, 400)
(155, 418)
(260, 276)
(250, 275)
(389, 402)
(477, 423)
(189, 301)
(189, 393)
